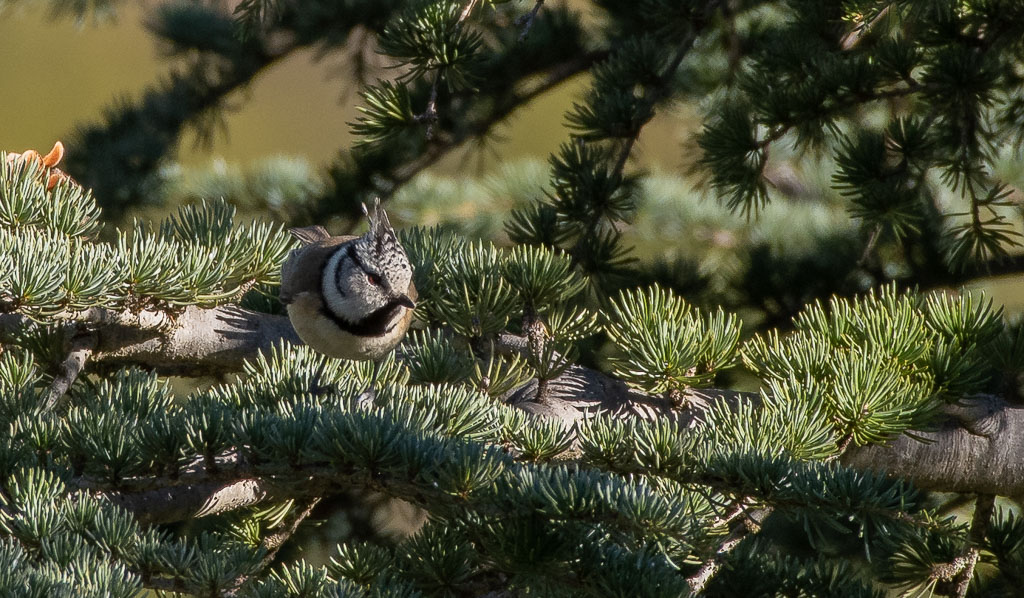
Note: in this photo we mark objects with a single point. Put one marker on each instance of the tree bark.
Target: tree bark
(194, 342)
(179, 503)
(975, 448)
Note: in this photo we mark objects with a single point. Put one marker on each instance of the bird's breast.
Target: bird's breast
(331, 335)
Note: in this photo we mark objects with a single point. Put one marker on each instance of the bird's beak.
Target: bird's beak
(404, 300)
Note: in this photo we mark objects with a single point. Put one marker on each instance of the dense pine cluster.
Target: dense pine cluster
(561, 411)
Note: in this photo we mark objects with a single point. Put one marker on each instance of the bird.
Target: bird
(350, 297)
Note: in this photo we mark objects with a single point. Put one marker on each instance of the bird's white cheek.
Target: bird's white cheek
(333, 295)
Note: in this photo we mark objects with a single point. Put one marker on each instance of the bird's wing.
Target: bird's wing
(309, 235)
(303, 270)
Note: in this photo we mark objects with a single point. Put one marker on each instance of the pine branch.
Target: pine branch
(142, 321)
(429, 115)
(843, 105)
(869, 247)
(951, 459)
(661, 89)
(974, 449)
(442, 144)
(993, 266)
(440, 147)
(240, 484)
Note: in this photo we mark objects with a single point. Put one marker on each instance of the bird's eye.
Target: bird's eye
(374, 279)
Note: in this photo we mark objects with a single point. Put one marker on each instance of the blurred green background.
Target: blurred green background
(58, 74)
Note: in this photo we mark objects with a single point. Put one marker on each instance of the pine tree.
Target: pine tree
(562, 412)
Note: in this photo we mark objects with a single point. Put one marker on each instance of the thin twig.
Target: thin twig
(960, 570)
(660, 92)
(276, 540)
(273, 542)
(466, 12)
(853, 37)
(983, 508)
(869, 248)
(82, 347)
(429, 115)
(735, 43)
(898, 92)
(738, 508)
(752, 524)
(627, 149)
(841, 446)
(656, 95)
(526, 21)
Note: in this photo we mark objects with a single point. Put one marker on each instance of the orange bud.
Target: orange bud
(54, 157)
(57, 175)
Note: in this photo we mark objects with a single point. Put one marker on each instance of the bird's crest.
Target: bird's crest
(381, 232)
(380, 226)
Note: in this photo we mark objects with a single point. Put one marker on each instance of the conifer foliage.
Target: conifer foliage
(557, 421)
